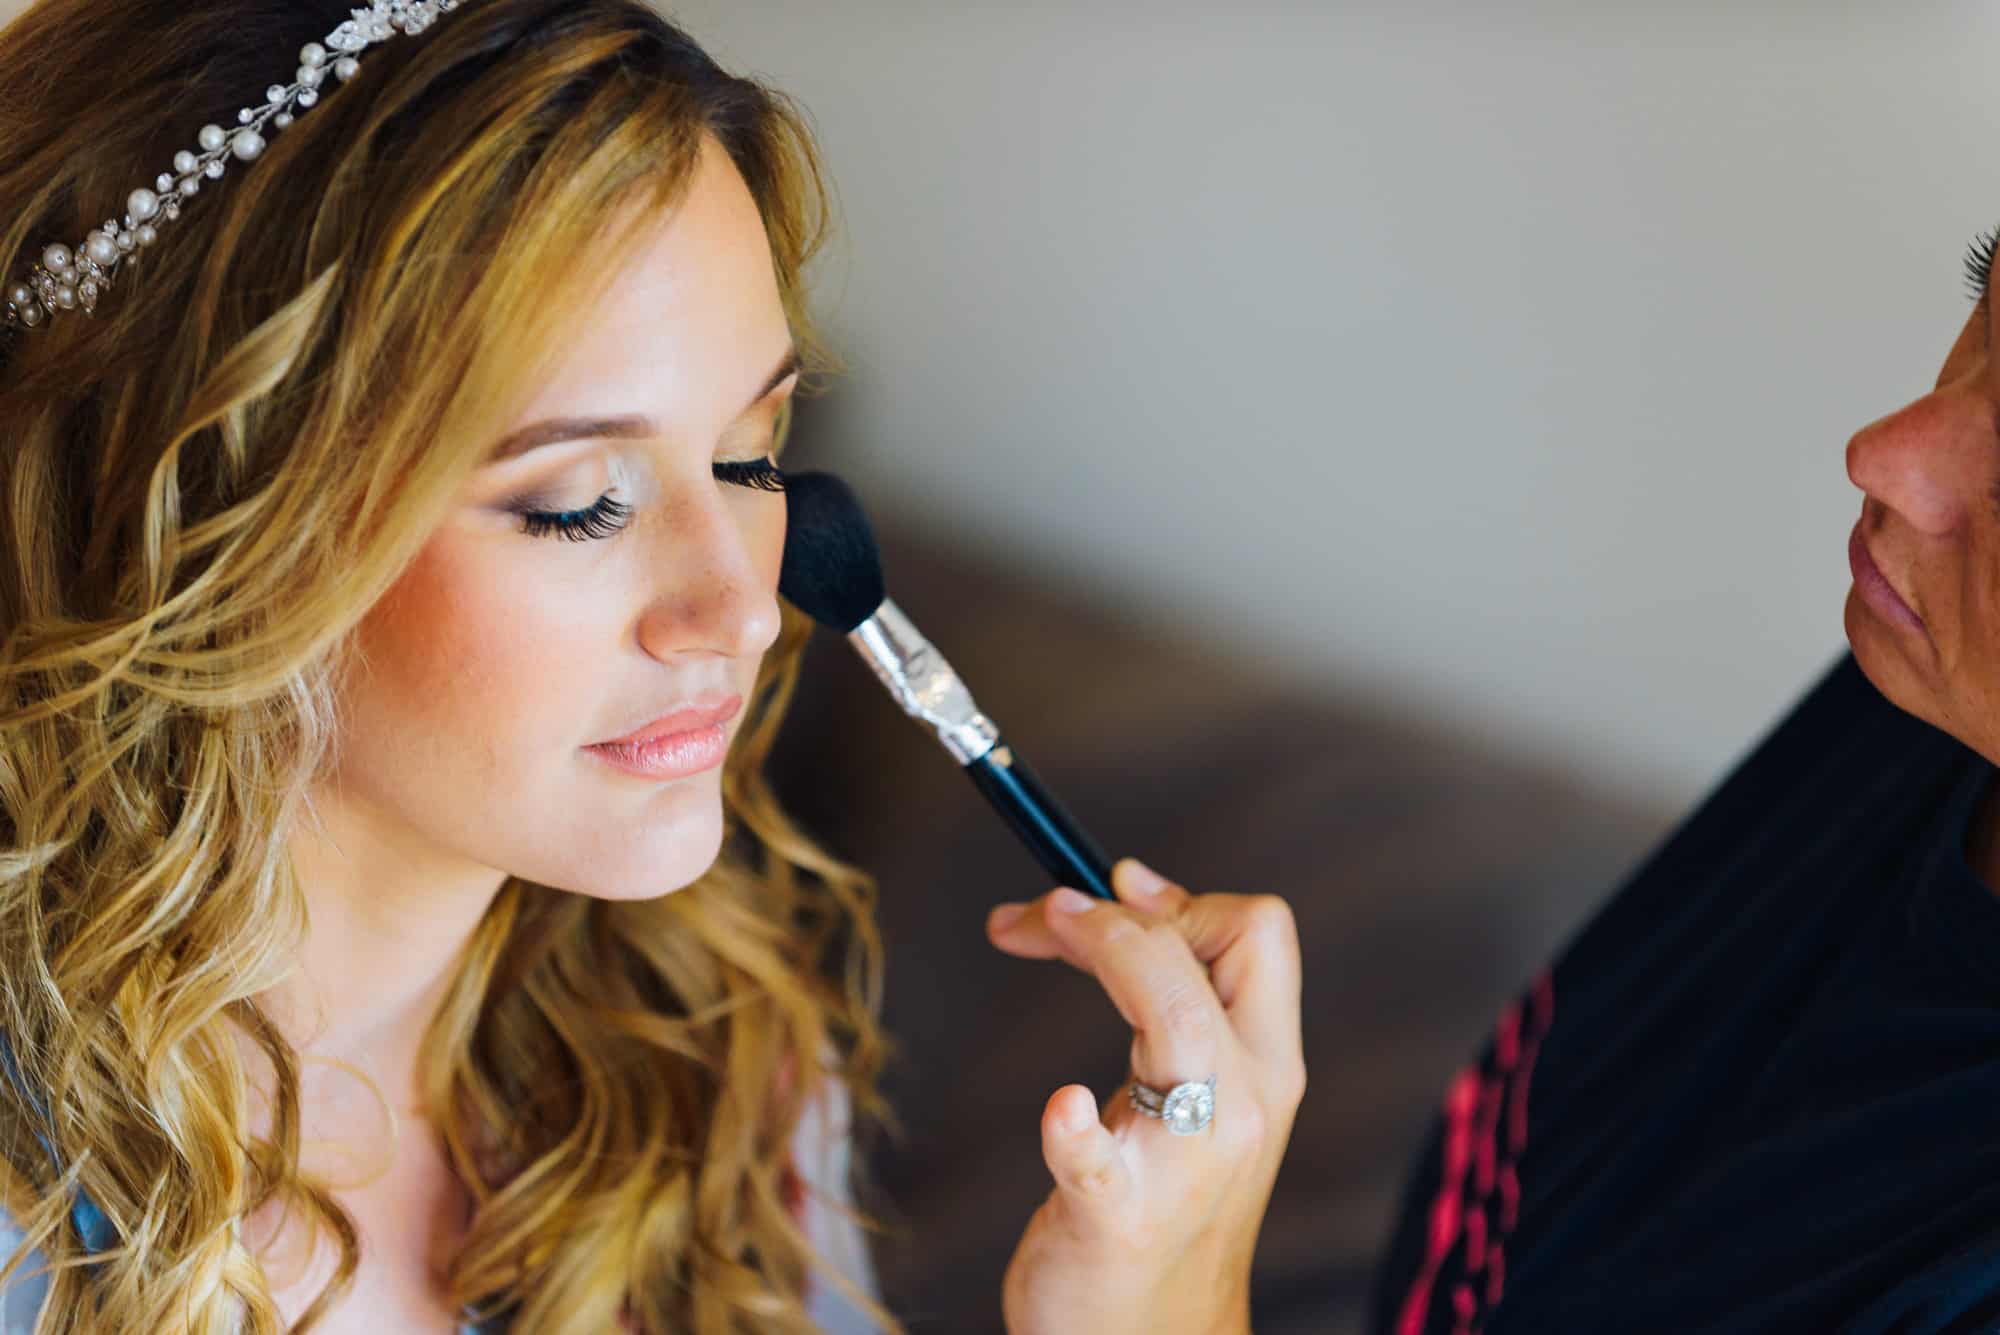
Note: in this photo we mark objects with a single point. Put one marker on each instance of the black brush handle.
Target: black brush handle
(1058, 843)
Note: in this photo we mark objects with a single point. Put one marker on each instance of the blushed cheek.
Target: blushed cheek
(476, 669)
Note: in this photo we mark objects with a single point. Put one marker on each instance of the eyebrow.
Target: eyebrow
(627, 426)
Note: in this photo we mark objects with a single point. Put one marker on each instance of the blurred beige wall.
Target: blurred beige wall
(1502, 358)
(1499, 361)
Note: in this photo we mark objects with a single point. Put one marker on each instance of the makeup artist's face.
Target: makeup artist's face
(500, 655)
(1930, 517)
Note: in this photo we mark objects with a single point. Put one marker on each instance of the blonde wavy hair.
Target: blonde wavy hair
(205, 486)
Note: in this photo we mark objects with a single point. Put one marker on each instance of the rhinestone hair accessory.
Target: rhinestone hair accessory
(67, 277)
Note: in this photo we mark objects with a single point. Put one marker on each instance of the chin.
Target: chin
(658, 886)
(1888, 671)
(1862, 639)
(662, 838)
(666, 861)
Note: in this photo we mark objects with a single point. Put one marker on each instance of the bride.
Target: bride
(377, 480)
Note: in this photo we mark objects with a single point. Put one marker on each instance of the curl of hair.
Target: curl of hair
(188, 538)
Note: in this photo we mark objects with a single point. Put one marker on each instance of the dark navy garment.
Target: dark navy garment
(1758, 1090)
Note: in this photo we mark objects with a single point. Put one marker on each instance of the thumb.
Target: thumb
(1091, 1175)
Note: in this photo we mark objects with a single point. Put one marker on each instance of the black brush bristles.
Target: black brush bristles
(832, 569)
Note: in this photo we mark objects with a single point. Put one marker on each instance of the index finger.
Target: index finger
(1247, 944)
(1250, 944)
(1166, 995)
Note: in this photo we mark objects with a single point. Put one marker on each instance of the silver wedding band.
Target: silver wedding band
(1186, 1108)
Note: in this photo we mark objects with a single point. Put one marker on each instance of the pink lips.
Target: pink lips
(1874, 585)
(684, 742)
(681, 720)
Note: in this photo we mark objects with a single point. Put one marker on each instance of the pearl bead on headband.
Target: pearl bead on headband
(66, 277)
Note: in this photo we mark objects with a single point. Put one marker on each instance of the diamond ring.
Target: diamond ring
(1186, 1108)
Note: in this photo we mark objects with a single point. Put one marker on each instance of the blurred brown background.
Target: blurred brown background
(1428, 877)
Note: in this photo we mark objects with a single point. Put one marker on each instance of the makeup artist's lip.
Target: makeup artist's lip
(1875, 586)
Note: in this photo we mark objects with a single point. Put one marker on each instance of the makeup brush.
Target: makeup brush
(832, 572)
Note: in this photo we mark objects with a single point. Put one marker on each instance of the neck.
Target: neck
(387, 919)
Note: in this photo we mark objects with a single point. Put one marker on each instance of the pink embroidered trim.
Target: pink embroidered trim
(1472, 1106)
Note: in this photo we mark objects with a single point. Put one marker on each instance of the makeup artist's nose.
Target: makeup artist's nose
(1931, 459)
(711, 590)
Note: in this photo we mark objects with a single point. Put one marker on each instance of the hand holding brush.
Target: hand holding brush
(1153, 1220)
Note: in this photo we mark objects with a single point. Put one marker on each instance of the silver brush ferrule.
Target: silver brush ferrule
(923, 683)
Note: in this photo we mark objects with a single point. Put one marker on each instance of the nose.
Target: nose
(1932, 458)
(715, 576)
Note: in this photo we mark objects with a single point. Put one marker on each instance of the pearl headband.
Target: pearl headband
(66, 278)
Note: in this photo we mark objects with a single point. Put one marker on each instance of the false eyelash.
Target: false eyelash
(601, 519)
(762, 474)
(1979, 262)
(607, 514)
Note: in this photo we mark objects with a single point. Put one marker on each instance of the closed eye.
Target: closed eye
(763, 474)
(1979, 264)
(604, 517)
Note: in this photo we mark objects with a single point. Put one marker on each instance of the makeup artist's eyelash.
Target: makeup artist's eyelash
(1979, 263)
(607, 514)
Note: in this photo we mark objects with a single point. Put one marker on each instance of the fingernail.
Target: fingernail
(1143, 879)
(1007, 915)
(1070, 900)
